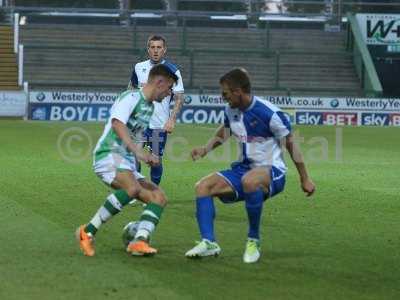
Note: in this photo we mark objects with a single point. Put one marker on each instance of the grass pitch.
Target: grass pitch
(343, 243)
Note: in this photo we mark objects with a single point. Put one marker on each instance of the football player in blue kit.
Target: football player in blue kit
(260, 129)
(163, 119)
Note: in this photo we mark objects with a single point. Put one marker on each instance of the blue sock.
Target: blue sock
(205, 217)
(254, 204)
(156, 173)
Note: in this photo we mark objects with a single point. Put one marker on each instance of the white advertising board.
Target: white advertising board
(12, 104)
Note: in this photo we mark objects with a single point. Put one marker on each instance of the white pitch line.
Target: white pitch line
(207, 128)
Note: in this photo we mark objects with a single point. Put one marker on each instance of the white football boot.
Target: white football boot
(204, 248)
(252, 253)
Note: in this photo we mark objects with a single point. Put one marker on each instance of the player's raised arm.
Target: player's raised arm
(221, 135)
(307, 184)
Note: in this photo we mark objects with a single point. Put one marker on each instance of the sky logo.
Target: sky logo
(375, 119)
(309, 118)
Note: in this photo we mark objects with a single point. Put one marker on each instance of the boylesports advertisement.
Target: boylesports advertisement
(208, 109)
(69, 112)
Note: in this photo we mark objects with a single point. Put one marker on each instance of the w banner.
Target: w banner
(380, 29)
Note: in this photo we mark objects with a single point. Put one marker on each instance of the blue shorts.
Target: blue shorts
(156, 139)
(234, 177)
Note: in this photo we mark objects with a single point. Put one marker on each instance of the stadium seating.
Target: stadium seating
(8, 66)
(297, 61)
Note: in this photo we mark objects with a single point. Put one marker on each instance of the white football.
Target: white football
(129, 232)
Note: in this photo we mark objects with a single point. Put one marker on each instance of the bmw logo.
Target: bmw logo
(188, 99)
(40, 97)
(334, 103)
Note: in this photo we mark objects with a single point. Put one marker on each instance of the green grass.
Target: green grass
(341, 244)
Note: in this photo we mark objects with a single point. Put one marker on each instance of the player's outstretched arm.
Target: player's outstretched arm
(122, 131)
(170, 124)
(221, 135)
(307, 184)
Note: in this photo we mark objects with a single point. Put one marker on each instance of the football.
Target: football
(129, 232)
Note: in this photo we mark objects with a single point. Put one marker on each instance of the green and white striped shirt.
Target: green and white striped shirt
(132, 109)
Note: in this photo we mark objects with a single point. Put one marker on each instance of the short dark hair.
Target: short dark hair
(162, 70)
(155, 37)
(237, 78)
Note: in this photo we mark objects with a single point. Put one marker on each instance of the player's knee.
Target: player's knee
(160, 198)
(202, 188)
(133, 191)
(249, 184)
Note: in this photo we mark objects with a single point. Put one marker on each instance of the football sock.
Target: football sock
(111, 207)
(205, 214)
(149, 220)
(156, 173)
(254, 203)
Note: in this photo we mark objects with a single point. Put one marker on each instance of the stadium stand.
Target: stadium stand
(281, 60)
(8, 66)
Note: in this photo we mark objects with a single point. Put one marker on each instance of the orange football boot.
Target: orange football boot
(140, 248)
(86, 241)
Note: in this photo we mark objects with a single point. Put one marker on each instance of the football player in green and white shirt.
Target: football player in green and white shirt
(115, 158)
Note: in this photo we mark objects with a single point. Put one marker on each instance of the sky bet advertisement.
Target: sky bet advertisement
(347, 118)
(209, 109)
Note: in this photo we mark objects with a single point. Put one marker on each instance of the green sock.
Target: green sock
(113, 205)
(152, 213)
(148, 220)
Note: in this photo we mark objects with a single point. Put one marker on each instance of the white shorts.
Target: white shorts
(107, 167)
